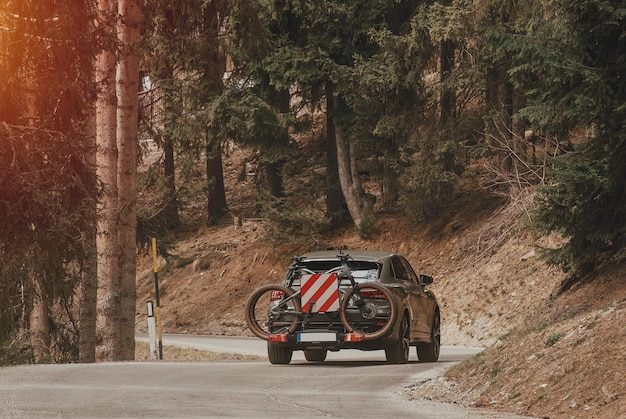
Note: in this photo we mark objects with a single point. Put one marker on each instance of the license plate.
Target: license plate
(317, 337)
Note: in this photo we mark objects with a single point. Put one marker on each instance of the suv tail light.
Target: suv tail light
(278, 337)
(372, 294)
(354, 337)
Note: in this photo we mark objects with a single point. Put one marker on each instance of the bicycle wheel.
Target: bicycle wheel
(369, 309)
(272, 309)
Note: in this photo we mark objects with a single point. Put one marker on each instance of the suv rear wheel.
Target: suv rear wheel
(278, 354)
(429, 352)
(315, 355)
(398, 352)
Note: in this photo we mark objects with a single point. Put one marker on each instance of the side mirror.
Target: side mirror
(425, 279)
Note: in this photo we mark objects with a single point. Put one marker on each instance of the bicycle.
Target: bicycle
(366, 310)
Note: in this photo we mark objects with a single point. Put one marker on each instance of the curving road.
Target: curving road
(349, 384)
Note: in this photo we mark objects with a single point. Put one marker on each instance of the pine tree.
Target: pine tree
(45, 193)
(572, 67)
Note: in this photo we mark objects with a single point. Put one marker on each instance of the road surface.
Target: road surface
(349, 384)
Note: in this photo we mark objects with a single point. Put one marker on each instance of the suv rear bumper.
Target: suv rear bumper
(321, 339)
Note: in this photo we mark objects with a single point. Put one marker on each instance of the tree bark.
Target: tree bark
(107, 239)
(507, 102)
(390, 190)
(448, 96)
(216, 194)
(39, 323)
(274, 179)
(87, 293)
(350, 182)
(127, 141)
(335, 203)
(216, 65)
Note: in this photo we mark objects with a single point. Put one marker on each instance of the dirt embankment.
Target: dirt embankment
(547, 356)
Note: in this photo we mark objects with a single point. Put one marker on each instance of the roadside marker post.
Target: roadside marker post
(158, 300)
(152, 337)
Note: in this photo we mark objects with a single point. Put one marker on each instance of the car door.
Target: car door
(419, 301)
(411, 289)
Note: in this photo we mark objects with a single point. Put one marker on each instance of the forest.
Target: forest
(412, 93)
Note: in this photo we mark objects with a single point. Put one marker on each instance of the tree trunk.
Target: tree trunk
(87, 292)
(448, 97)
(335, 203)
(172, 113)
(359, 209)
(216, 194)
(491, 89)
(107, 239)
(39, 323)
(216, 65)
(274, 179)
(390, 190)
(507, 101)
(273, 169)
(127, 141)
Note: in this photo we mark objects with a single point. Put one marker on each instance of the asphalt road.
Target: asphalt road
(353, 384)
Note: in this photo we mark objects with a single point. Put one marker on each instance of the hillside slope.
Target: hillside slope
(547, 356)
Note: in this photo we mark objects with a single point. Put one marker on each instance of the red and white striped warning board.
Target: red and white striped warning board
(322, 290)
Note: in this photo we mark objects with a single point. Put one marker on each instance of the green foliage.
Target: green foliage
(15, 352)
(252, 122)
(47, 190)
(431, 178)
(296, 220)
(371, 56)
(575, 64)
(45, 201)
(585, 202)
(367, 229)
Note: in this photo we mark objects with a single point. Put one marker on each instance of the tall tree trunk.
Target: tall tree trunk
(491, 89)
(335, 203)
(216, 65)
(87, 292)
(171, 109)
(273, 169)
(274, 179)
(358, 207)
(107, 240)
(127, 141)
(448, 96)
(40, 323)
(390, 190)
(216, 194)
(507, 102)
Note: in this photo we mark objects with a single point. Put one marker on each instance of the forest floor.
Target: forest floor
(548, 354)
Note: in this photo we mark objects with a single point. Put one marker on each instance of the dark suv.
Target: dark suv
(357, 299)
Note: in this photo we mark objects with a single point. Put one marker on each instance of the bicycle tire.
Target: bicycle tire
(259, 317)
(393, 311)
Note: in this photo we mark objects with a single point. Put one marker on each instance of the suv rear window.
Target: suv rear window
(361, 270)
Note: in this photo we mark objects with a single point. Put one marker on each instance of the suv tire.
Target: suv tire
(278, 354)
(398, 352)
(429, 352)
(315, 355)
